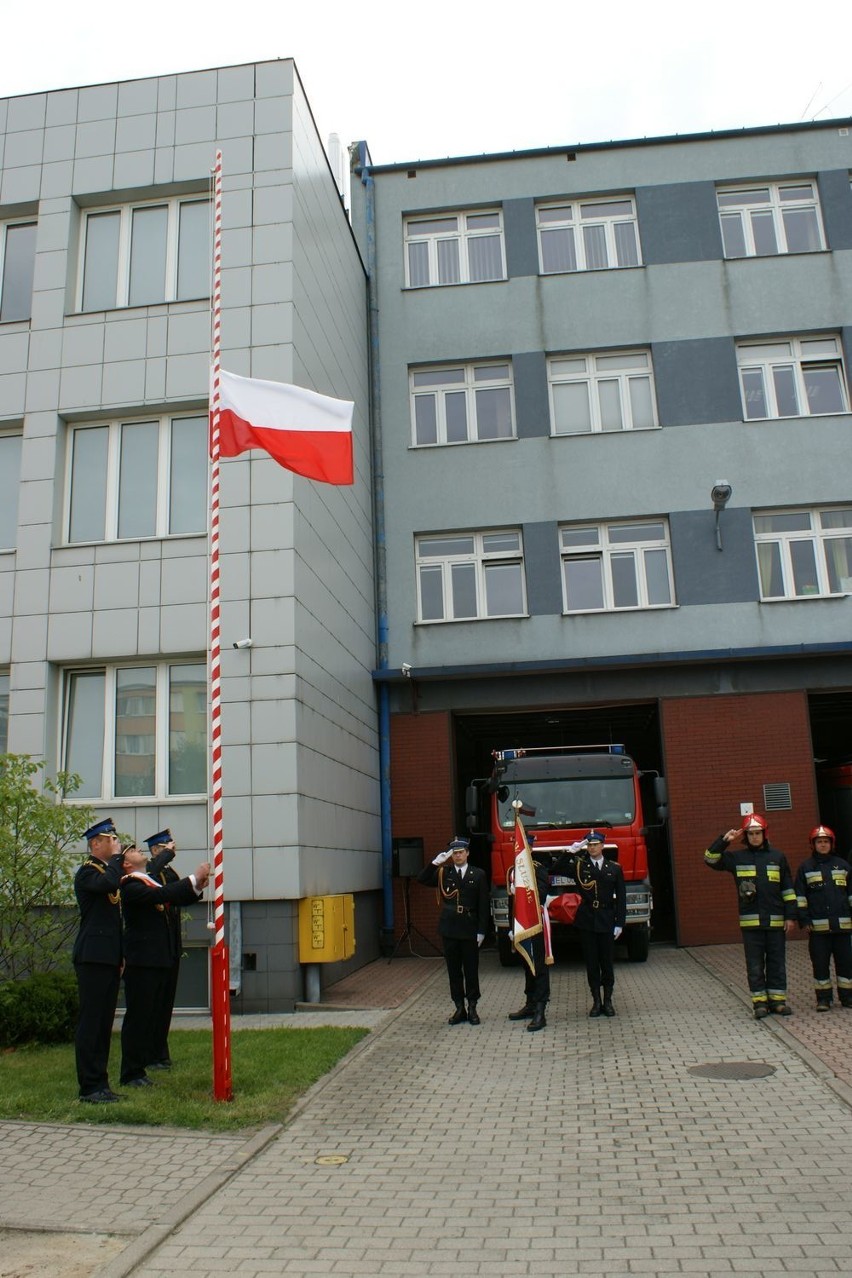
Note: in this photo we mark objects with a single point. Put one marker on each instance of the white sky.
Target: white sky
(456, 77)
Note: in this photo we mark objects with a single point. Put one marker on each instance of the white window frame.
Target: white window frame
(482, 556)
(462, 379)
(572, 215)
(5, 227)
(161, 730)
(779, 196)
(592, 542)
(173, 206)
(594, 369)
(775, 362)
(464, 234)
(113, 479)
(789, 542)
(17, 435)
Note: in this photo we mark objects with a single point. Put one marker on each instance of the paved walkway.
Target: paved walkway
(589, 1148)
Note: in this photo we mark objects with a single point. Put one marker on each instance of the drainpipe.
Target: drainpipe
(386, 932)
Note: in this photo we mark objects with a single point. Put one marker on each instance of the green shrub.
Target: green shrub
(40, 1009)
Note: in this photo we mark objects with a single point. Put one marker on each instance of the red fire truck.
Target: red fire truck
(566, 792)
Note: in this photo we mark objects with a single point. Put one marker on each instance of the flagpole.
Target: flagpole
(219, 961)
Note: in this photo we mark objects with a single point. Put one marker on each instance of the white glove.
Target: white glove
(480, 937)
(579, 846)
(616, 931)
(442, 857)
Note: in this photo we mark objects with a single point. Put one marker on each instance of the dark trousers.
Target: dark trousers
(599, 951)
(766, 964)
(160, 1040)
(97, 985)
(537, 983)
(143, 988)
(462, 959)
(825, 946)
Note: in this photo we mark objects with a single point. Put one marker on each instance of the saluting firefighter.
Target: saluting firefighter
(97, 958)
(463, 921)
(767, 905)
(601, 914)
(161, 850)
(824, 899)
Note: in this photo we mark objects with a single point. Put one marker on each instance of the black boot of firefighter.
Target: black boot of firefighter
(608, 1009)
(472, 1014)
(459, 1016)
(845, 997)
(823, 1001)
(538, 1021)
(523, 1013)
(596, 1004)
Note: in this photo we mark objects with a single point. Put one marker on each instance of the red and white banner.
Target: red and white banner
(304, 432)
(527, 907)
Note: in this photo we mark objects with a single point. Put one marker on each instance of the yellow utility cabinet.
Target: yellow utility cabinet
(326, 928)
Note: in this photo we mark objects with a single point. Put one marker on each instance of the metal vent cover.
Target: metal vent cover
(777, 796)
(732, 1069)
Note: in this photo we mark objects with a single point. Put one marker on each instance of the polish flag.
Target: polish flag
(304, 432)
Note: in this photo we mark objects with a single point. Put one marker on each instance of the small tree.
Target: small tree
(38, 858)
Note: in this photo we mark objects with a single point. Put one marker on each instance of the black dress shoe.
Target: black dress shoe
(157, 1065)
(472, 1015)
(523, 1013)
(459, 1016)
(104, 1097)
(138, 1082)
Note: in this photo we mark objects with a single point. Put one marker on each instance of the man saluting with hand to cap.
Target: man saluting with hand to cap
(463, 920)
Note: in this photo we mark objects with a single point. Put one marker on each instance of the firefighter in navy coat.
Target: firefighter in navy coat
(161, 850)
(824, 901)
(600, 916)
(462, 924)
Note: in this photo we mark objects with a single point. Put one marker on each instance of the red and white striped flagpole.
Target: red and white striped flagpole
(219, 961)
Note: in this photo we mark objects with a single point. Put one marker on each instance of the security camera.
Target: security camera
(720, 494)
(243, 643)
(406, 669)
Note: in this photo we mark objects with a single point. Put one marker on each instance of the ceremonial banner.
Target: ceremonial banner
(528, 914)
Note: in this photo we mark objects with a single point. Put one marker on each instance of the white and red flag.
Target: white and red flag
(530, 918)
(304, 432)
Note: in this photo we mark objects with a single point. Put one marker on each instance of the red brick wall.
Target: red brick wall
(421, 774)
(719, 752)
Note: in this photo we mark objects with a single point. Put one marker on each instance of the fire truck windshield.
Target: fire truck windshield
(572, 802)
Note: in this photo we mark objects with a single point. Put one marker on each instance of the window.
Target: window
(143, 254)
(793, 377)
(606, 567)
(460, 405)
(137, 731)
(610, 391)
(10, 474)
(461, 576)
(4, 711)
(17, 264)
(587, 235)
(454, 248)
(778, 217)
(804, 552)
(137, 479)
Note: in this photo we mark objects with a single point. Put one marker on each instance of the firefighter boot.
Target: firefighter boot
(538, 1021)
(781, 1009)
(845, 997)
(472, 1014)
(459, 1016)
(596, 1004)
(823, 1000)
(608, 1009)
(760, 1011)
(523, 1013)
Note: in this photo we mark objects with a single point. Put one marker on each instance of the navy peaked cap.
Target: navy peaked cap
(99, 828)
(165, 836)
(595, 836)
(456, 843)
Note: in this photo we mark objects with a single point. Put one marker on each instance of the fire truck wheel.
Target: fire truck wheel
(638, 942)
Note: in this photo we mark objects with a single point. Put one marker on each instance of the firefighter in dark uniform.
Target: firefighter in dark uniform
(161, 850)
(462, 924)
(824, 899)
(767, 904)
(147, 956)
(601, 914)
(97, 958)
(537, 978)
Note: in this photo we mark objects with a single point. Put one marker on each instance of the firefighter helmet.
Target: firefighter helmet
(821, 832)
(754, 821)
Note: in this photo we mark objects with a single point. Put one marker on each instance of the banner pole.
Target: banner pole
(219, 960)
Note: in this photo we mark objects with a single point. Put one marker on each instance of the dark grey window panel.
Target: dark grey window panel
(835, 198)
(704, 574)
(697, 381)
(521, 241)
(846, 343)
(543, 568)
(679, 222)
(532, 407)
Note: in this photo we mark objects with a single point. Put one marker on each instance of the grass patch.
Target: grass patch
(271, 1068)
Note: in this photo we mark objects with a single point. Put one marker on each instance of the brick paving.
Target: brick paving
(589, 1148)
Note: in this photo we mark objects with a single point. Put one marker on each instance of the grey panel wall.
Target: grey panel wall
(543, 569)
(697, 381)
(521, 239)
(703, 573)
(532, 408)
(835, 197)
(679, 222)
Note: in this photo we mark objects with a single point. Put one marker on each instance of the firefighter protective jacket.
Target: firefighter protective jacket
(824, 894)
(765, 892)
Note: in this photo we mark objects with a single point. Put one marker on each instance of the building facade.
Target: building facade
(105, 265)
(613, 389)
